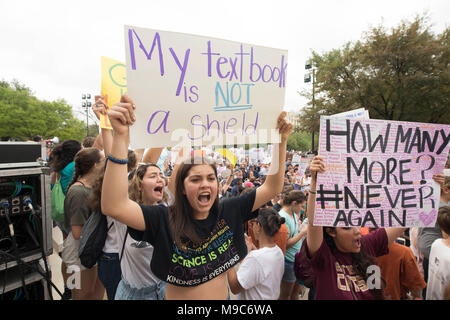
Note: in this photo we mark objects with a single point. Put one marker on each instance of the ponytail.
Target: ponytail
(270, 221)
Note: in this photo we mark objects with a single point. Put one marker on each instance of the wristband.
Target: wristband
(118, 161)
(313, 192)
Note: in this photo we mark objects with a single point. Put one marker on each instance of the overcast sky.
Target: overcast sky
(54, 47)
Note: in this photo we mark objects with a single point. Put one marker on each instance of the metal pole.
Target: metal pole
(87, 121)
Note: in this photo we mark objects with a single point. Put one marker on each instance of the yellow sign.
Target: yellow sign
(113, 86)
(228, 154)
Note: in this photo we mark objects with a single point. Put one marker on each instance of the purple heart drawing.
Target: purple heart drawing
(428, 218)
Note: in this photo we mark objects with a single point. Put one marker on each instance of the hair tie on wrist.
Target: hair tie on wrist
(118, 161)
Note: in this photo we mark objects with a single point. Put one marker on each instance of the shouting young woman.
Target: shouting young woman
(197, 239)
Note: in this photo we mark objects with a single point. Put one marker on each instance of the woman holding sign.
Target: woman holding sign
(342, 260)
(198, 239)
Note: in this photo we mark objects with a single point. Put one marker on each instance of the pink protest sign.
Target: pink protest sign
(379, 173)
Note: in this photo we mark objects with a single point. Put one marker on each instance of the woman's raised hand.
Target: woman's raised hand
(121, 115)
(99, 107)
(284, 126)
(317, 165)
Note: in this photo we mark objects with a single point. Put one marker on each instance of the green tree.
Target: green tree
(299, 141)
(401, 74)
(23, 116)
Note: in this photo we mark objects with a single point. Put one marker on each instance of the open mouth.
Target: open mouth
(158, 190)
(357, 243)
(204, 198)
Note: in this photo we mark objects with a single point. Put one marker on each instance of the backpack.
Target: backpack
(57, 201)
(302, 267)
(92, 239)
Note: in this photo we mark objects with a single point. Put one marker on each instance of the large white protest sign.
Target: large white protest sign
(379, 173)
(202, 91)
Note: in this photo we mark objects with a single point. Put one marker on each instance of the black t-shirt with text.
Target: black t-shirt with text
(222, 247)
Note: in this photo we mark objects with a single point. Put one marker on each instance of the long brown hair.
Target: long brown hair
(95, 197)
(360, 262)
(293, 195)
(85, 159)
(180, 213)
(270, 221)
(135, 185)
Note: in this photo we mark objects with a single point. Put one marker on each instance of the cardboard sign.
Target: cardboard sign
(200, 91)
(354, 114)
(113, 85)
(379, 173)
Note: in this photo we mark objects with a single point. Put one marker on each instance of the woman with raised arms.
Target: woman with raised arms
(341, 259)
(197, 239)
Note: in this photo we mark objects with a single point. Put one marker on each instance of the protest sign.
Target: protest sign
(229, 155)
(379, 173)
(355, 114)
(296, 159)
(257, 154)
(113, 85)
(202, 91)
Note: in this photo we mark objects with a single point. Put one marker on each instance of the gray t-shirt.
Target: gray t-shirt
(76, 210)
(426, 236)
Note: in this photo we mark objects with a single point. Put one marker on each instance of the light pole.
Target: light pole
(309, 65)
(86, 103)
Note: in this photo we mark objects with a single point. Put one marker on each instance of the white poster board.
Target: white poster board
(360, 113)
(379, 173)
(198, 91)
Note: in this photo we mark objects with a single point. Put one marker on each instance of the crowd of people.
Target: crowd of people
(203, 228)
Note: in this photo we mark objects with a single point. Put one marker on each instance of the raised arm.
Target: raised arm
(115, 202)
(228, 182)
(275, 179)
(105, 138)
(315, 233)
(152, 155)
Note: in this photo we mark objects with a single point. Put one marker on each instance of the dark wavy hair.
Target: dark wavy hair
(85, 159)
(270, 221)
(180, 213)
(360, 262)
(293, 195)
(63, 154)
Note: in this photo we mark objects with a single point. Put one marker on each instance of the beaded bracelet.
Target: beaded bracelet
(118, 161)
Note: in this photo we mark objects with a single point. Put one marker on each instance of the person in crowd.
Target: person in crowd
(138, 282)
(280, 237)
(426, 236)
(293, 203)
(305, 181)
(340, 256)
(259, 275)
(236, 190)
(275, 203)
(108, 267)
(439, 267)
(88, 142)
(401, 273)
(226, 185)
(61, 161)
(89, 164)
(183, 233)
